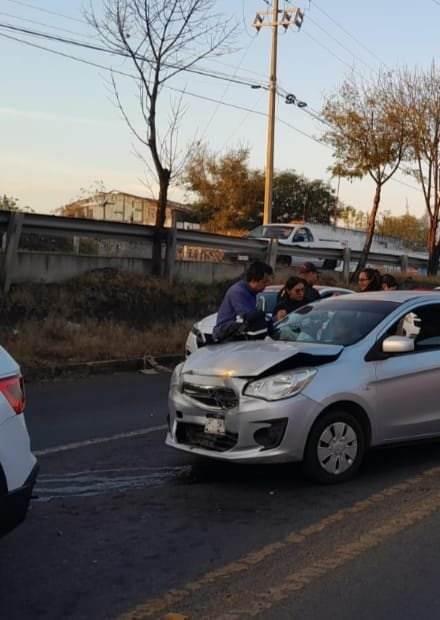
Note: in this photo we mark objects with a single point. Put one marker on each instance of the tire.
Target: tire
(330, 264)
(332, 464)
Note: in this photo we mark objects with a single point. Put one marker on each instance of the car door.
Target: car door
(408, 385)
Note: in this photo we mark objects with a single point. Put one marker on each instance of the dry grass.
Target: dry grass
(55, 341)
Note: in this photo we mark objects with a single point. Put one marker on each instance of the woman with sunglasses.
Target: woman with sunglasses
(290, 298)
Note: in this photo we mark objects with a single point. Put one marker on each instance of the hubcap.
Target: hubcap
(337, 448)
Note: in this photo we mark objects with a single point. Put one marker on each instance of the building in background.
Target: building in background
(116, 206)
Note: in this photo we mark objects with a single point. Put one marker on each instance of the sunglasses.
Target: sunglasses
(299, 289)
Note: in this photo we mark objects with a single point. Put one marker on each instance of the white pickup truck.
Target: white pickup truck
(302, 235)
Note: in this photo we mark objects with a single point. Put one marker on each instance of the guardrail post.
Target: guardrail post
(170, 256)
(13, 234)
(404, 264)
(346, 264)
(272, 253)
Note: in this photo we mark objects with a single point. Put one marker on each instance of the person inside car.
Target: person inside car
(240, 300)
(369, 280)
(290, 298)
(310, 274)
(389, 282)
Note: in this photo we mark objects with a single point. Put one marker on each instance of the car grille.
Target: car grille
(216, 397)
(194, 435)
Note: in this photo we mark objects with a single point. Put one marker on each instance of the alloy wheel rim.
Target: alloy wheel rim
(337, 448)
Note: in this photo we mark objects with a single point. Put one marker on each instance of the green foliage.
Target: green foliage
(407, 227)
(230, 195)
(9, 203)
(295, 197)
(367, 135)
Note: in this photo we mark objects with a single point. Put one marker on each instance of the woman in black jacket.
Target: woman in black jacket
(290, 298)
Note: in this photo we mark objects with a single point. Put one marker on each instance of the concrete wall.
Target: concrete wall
(41, 267)
(51, 267)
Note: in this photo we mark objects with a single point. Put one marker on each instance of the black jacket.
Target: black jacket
(310, 294)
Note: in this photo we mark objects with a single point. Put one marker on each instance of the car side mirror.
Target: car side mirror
(398, 344)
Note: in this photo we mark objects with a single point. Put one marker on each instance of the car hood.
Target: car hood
(207, 324)
(255, 358)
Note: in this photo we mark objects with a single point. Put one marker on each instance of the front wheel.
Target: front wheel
(335, 448)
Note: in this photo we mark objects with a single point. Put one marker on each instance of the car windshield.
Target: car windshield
(333, 321)
(271, 232)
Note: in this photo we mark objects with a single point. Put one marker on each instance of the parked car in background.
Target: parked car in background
(300, 235)
(339, 376)
(18, 466)
(201, 332)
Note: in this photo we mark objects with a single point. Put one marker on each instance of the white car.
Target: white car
(201, 332)
(18, 466)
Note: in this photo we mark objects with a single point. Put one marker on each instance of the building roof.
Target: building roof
(171, 204)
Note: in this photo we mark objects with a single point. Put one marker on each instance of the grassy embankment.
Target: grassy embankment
(109, 315)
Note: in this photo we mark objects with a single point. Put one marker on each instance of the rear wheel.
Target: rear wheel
(335, 448)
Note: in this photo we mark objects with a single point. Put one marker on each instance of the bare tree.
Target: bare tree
(160, 39)
(416, 97)
(368, 138)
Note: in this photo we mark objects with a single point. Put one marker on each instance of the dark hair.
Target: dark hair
(374, 278)
(389, 280)
(289, 285)
(257, 270)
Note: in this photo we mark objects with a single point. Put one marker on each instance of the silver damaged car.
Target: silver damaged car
(336, 378)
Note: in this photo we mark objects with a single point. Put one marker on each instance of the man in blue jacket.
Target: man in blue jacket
(241, 298)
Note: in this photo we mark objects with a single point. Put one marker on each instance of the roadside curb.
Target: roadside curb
(161, 363)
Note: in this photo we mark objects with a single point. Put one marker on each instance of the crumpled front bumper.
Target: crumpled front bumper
(241, 424)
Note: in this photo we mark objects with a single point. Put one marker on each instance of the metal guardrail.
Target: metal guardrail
(16, 224)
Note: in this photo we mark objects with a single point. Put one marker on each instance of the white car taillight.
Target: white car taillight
(12, 389)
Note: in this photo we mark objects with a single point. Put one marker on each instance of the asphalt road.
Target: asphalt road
(124, 527)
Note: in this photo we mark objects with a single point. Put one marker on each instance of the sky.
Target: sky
(61, 131)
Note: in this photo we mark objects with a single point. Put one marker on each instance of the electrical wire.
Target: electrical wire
(241, 123)
(336, 40)
(191, 94)
(331, 52)
(37, 23)
(97, 48)
(28, 5)
(47, 11)
(227, 88)
(348, 33)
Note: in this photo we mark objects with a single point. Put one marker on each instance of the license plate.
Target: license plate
(215, 426)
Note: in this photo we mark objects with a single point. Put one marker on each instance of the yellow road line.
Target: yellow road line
(153, 607)
(343, 554)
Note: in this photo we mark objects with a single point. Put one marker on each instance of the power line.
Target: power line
(241, 123)
(178, 90)
(33, 21)
(97, 48)
(348, 33)
(59, 28)
(47, 11)
(331, 52)
(344, 47)
(191, 94)
(227, 87)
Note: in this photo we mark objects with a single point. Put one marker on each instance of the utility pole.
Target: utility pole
(290, 16)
